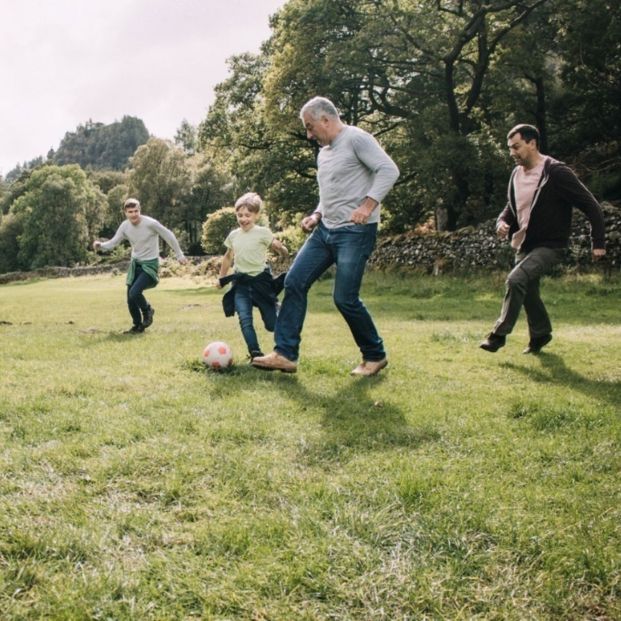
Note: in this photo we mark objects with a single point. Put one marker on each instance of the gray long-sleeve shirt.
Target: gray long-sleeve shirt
(144, 238)
(349, 169)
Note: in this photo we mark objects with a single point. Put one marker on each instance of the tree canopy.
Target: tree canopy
(99, 146)
(439, 82)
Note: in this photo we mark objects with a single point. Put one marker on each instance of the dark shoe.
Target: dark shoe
(255, 353)
(493, 342)
(367, 368)
(275, 362)
(148, 317)
(139, 329)
(537, 343)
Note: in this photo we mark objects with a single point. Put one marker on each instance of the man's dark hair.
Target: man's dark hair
(528, 133)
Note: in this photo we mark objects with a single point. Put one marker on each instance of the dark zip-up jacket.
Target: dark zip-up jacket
(558, 191)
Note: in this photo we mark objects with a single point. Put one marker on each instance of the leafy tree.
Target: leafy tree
(99, 146)
(58, 213)
(160, 179)
(10, 230)
(211, 189)
(186, 137)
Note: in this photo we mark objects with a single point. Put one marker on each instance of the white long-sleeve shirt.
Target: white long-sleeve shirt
(144, 239)
(352, 167)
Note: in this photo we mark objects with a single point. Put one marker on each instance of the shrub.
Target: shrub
(215, 229)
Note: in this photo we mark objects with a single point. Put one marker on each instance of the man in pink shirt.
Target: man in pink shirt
(537, 219)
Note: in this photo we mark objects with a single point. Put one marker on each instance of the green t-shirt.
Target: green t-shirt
(250, 248)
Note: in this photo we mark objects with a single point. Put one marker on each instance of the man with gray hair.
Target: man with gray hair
(354, 175)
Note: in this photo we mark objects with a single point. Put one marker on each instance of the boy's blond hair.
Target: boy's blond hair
(251, 201)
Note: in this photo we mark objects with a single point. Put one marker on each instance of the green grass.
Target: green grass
(456, 485)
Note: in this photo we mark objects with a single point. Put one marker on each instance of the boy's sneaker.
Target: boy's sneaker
(139, 329)
(148, 317)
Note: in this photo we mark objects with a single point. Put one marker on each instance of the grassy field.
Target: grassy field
(457, 485)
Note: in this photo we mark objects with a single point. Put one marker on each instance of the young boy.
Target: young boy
(143, 233)
(253, 284)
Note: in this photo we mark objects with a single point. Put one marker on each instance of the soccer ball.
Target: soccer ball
(218, 355)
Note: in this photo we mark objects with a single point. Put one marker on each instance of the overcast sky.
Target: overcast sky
(63, 62)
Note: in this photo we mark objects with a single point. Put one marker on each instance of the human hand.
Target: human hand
(598, 253)
(310, 222)
(183, 260)
(96, 245)
(502, 230)
(361, 214)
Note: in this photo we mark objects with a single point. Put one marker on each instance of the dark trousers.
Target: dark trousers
(244, 302)
(522, 289)
(136, 302)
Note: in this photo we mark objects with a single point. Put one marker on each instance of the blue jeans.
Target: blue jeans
(136, 302)
(348, 247)
(243, 307)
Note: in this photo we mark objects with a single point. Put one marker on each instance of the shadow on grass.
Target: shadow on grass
(353, 420)
(555, 370)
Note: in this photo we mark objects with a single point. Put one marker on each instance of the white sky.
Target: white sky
(63, 62)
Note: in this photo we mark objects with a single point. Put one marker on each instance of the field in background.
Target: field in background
(457, 485)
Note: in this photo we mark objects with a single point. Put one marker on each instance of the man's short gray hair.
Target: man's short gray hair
(319, 106)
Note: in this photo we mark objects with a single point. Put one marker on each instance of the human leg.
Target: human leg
(136, 302)
(353, 246)
(522, 289)
(311, 261)
(243, 308)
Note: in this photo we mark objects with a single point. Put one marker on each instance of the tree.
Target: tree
(160, 180)
(99, 146)
(58, 214)
(186, 137)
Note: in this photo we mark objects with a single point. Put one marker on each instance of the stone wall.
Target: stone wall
(467, 250)
(475, 249)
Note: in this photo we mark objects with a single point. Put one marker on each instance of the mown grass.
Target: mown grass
(457, 485)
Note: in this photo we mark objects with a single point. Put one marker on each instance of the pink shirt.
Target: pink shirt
(525, 184)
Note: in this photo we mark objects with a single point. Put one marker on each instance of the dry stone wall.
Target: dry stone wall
(475, 249)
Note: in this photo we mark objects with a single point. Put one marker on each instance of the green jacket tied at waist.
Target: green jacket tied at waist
(151, 268)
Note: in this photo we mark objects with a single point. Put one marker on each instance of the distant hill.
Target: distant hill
(99, 146)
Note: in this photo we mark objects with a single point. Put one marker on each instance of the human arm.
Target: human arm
(310, 222)
(169, 237)
(279, 247)
(225, 264)
(576, 193)
(385, 172)
(118, 237)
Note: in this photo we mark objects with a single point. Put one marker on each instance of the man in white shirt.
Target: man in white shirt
(354, 174)
(143, 234)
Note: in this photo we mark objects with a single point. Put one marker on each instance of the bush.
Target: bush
(218, 225)
(216, 228)
(10, 229)
(292, 237)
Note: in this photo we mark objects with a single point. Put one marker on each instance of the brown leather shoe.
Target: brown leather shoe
(275, 362)
(370, 367)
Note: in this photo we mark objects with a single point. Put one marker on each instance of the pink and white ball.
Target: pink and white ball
(218, 356)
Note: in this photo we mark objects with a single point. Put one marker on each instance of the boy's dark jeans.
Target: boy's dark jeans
(136, 302)
(243, 307)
